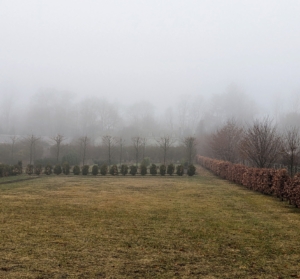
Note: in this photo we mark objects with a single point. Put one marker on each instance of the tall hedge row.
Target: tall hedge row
(267, 181)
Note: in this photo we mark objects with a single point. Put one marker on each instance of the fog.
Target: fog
(146, 67)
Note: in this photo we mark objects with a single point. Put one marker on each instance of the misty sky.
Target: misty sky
(151, 50)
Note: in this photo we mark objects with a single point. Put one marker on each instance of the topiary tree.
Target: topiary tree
(162, 170)
(76, 170)
(191, 170)
(170, 169)
(10, 170)
(57, 169)
(153, 169)
(113, 170)
(85, 169)
(4, 170)
(133, 170)
(66, 168)
(38, 169)
(95, 169)
(20, 167)
(103, 169)
(29, 169)
(143, 170)
(124, 169)
(48, 169)
(180, 170)
(15, 170)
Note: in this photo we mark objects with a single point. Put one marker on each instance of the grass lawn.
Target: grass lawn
(145, 227)
(10, 179)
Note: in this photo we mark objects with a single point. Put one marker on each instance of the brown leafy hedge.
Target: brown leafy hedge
(267, 181)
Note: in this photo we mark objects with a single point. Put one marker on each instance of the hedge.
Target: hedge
(267, 181)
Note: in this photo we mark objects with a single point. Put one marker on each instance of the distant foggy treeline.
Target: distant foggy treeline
(50, 112)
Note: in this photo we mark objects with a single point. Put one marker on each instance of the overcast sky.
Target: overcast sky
(150, 49)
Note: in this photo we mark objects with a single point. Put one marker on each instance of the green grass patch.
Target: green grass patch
(13, 178)
(136, 227)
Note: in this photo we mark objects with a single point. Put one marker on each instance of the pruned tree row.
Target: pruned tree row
(264, 180)
(8, 170)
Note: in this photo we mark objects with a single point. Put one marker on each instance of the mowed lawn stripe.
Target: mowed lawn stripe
(145, 227)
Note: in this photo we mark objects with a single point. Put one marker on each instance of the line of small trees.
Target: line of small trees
(113, 150)
(113, 170)
(10, 170)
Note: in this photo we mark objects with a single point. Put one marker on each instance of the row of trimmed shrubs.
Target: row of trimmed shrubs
(113, 170)
(267, 181)
(10, 170)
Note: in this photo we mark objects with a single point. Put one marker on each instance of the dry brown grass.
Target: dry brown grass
(145, 227)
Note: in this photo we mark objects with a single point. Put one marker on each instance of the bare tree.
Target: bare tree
(137, 141)
(195, 112)
(110, 142)
(32, 141)
(190, 147)
(165, 143)
(292, 148)
(144, 142)
(58, 140)
(169, 119)
(12, 150)
(183, 111)
(84, 141)
(121, 143)
(261, 145)
(225, 142)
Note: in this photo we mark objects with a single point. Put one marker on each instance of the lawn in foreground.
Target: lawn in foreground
(145, 227)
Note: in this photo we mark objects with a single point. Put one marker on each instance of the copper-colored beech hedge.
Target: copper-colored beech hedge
(267, 181)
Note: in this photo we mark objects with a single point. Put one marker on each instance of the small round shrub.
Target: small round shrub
(15, 170)
(66, 168)
(29, 169)
(191, 170)
(103, 169)
(48, 169)
(4, 170)
(180, 170)
(113, 170)
(57, 169)
(133, 170)
(76, 170)
(143, 170)
(170, 169)
(95, 169)
(124, 169)
(85, 170)
(153, 169)
(38, 169)
(162, 170)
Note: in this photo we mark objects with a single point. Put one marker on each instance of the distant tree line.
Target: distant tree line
(259, 144)
(50, 111)
(38, 152)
